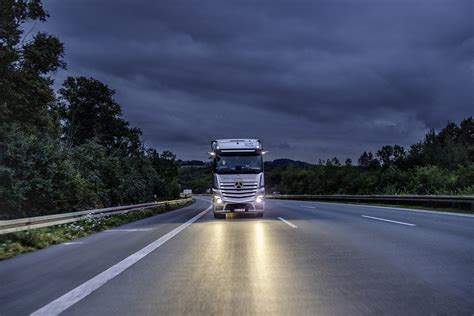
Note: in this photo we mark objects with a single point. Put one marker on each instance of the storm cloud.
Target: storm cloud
(312, 79)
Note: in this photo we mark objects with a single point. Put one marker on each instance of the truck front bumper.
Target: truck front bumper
(238, 207)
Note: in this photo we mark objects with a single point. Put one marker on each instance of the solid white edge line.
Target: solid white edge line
(388, 220)
(72, 297)
(394, 208)
(391, 208)
(307, 206)
(287, 222)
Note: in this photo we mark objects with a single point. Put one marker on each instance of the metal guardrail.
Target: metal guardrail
(16, 225)
(465, 203)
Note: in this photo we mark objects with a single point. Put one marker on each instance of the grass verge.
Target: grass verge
(17, 243)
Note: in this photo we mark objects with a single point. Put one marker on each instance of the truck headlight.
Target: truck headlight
(259, 199)
(218, 199)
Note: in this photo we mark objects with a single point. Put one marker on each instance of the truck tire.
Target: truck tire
(219, 216)
(260, 214)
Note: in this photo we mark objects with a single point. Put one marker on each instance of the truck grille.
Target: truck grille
(248, 189)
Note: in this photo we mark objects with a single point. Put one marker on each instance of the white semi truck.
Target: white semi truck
(238, 177)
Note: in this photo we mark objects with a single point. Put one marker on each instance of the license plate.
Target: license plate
(239, 210)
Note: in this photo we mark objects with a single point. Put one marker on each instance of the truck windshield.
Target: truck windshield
(238, 164)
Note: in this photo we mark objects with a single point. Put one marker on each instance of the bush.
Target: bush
(432, 180)
(37, 176)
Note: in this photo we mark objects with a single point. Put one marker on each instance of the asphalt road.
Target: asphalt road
(300, 258)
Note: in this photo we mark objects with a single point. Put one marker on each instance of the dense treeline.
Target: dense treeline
(196, 177)
(443, 163)
(68, 150)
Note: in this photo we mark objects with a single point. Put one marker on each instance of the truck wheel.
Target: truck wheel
(260, 214)
(220, 216)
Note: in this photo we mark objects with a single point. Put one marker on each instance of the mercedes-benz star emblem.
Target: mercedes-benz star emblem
(238, 185)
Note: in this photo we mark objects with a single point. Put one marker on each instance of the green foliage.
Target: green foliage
(197, 178)
(37, 176)
(452, 147)
(41, 55)
(89, 112)
(368, 161)
(25, 86)
(391, 155)
(70, 152)
(432, 180)
(443, 163)
(14, 13)
(40, 174)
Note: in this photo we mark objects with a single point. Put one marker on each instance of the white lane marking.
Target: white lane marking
(287, 222)
(307, 206)
(396, 208)
(72, 243)
(388, 220)
(67, 300)
(129, 230)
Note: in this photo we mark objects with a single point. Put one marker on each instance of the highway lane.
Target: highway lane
(331, 261)
(29, 281)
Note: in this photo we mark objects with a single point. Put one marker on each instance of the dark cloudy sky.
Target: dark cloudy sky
(312, 79)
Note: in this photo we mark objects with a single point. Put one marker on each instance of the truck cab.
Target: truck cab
(238, 181)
